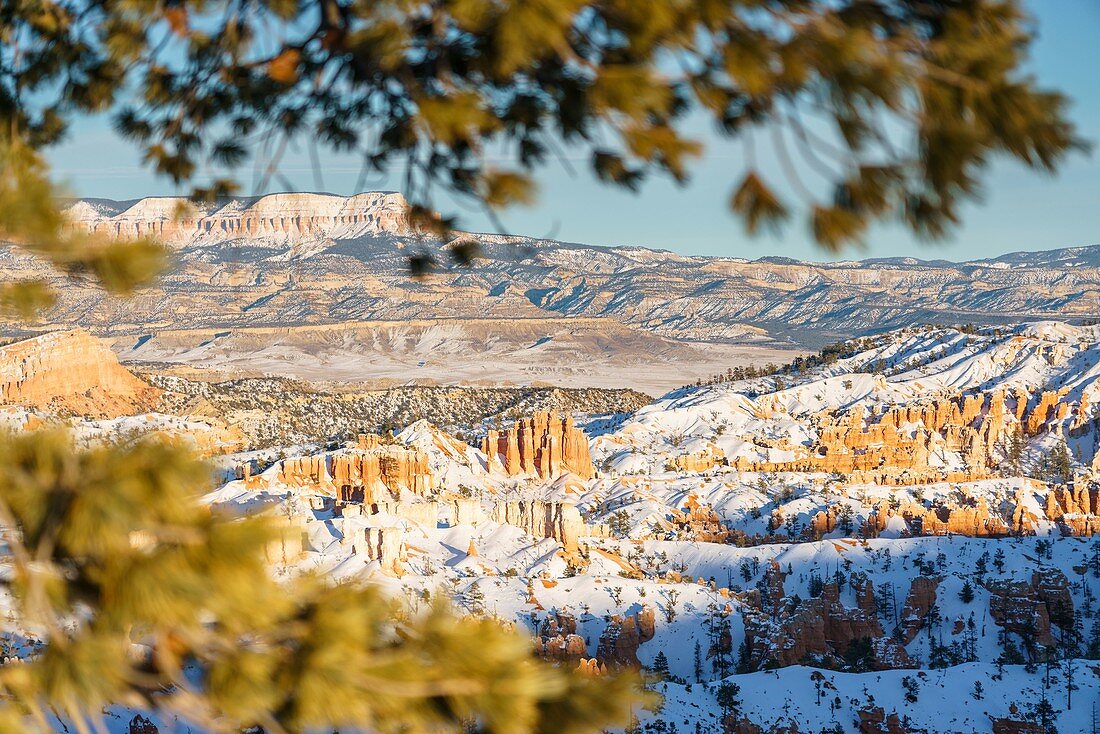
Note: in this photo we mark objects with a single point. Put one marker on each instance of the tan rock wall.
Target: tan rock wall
(619, 643)
(366, 475)
(558, 520)
(1076, 509)
(918, 603)
(895, 447)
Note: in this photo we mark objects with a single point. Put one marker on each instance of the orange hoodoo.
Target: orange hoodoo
(546, 445)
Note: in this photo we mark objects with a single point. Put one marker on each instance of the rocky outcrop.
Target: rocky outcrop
(619, 643)
(975, 521)
(823, 522)
(383, 544)
(466, 512)
(142, 725)
(546, 445)
(367, 474)
(558, 520)
(699, 522)
(895, 446)
(1047, 407)
(818, 631)
(1075, 508)
(1028, 608)
(558, 641)
(875, 720)
(288, 547)
(1014, 606)
(741, 725)
(697, 462)
(905, 445)
(918, 603)
(71, 372)
(1006, 725)
(1053, 589)
(1023, 520)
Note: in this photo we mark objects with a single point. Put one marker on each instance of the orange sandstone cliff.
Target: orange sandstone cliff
(71, 372)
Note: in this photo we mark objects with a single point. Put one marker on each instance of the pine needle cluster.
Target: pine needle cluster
(141, 596)
(894, 107)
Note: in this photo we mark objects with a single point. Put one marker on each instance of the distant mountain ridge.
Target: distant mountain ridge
(296, 258)
(316, 273)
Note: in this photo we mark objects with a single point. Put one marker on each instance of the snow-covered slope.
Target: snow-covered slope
(897, 368)
(832, 602)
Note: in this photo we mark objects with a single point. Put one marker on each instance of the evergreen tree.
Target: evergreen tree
(912, 689)
(845, 519)
(1092, 650)
(1015, 450)
(858, 655)
(1058, 464)
(1010, 653)
(1069, 670)
(971, 639)
(660, 666)
(698, 663)
(1044, 714)
(619, 524)
(729, 698)
(966, 593)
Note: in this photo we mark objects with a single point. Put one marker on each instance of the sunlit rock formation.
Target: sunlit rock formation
(557, 640)
(558, 520)
(546, 445)
(1075, 509)
(71, 372)
(624, 634)
(368, 473)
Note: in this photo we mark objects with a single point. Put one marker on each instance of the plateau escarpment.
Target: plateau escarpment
(285, 217)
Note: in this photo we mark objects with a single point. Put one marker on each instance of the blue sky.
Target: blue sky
(1022, 210)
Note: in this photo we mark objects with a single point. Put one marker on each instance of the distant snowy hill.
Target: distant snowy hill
(1077, 257)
